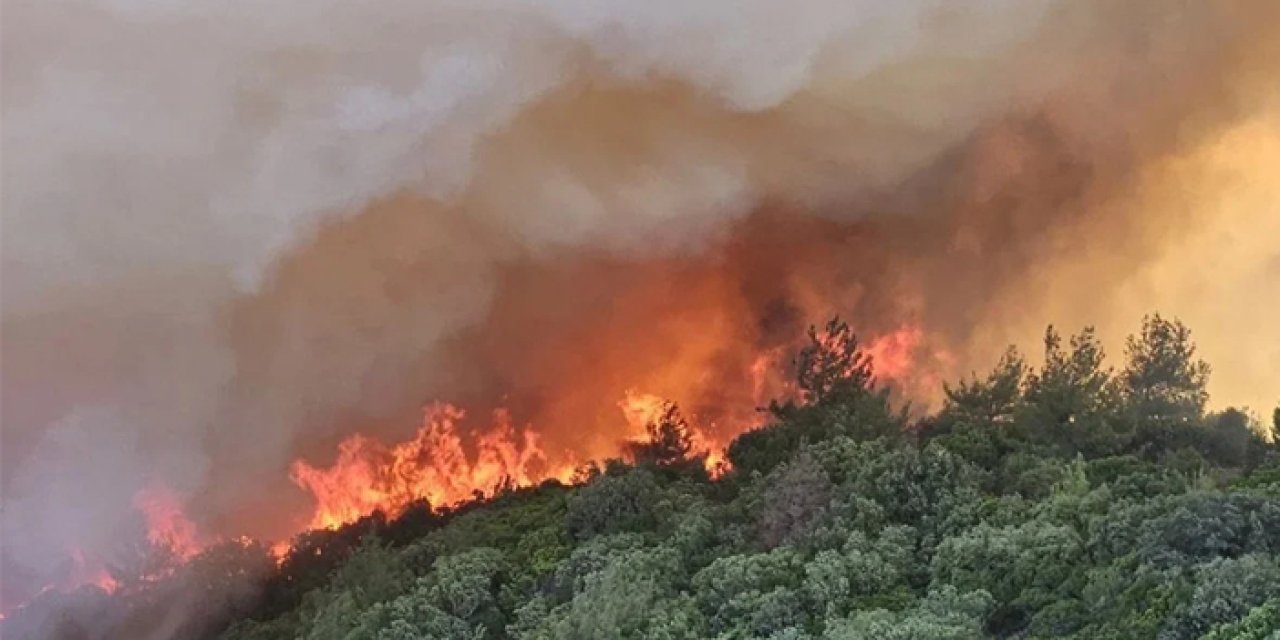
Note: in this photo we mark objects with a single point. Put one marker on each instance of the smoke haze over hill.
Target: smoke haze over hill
(235, 234)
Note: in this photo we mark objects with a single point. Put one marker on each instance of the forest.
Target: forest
(1070, 498)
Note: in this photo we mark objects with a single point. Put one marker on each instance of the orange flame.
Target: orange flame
(434, 465)
(441, 466)
(639, 410)
(905, 358)
(167, 528)
(167, 524)
(893, 354)
(88, 571)
(643, 409)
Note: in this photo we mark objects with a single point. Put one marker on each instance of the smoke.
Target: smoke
(234, 233)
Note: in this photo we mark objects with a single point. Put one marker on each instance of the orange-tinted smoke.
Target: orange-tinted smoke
(448, 461)
(167, 525)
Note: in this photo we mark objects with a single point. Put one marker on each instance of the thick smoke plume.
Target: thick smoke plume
(235, 232)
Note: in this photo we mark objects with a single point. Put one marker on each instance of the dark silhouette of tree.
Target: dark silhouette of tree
(978, 416)
(669, 441)
(991, 400)
(1163, 379)
(833, 365)
(837, 396)
(1230, 438)
(1070, 401)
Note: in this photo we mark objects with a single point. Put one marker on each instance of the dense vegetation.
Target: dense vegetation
(1068, 500)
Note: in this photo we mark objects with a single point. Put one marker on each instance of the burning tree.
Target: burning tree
(670, 438)
(836, 382)
(833, 366)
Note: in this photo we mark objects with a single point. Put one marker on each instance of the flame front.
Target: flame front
(448, 461)
(434, 466)
(445, 463)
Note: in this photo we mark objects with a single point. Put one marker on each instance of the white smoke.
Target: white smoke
(174, 300)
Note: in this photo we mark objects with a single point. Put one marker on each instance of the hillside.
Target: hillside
(1062, 500)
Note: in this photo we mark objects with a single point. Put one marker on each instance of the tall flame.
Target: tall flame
(443, 465)
(447, 462)
(434, 465)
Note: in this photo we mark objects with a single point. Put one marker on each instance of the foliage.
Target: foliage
(1226, 589)
(1261, 623)
(1071, 401)
(1063, 500)
(837, 397)
(944, 614)
(1162, 378)
(796, 496)
(612, 504)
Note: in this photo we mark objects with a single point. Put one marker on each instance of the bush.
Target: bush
(613, 504)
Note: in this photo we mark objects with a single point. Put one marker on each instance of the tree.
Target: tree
(410, 617)
(1227, 589)
(837, 398)
(796, 496)
(862, 574)
(669, 440)
(1182, 531)
(929, 488)
(1070, 401)
(633, 595)
(1231, 438)
(944, 614)
(1262, 623)
(993, 400)
(464, 586)
(751, 595)
(977, 420)
(1023, 567)
(833, 365)
(1163, 379)
(612, 504)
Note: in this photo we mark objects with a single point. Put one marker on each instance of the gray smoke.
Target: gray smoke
(233, 231)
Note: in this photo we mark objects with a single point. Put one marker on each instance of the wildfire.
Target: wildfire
(434, 466)
(442, 465)
(86, 570)
(642, 409)
(172, 537)
(893, 354)
(447, 462)
(167, 525)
